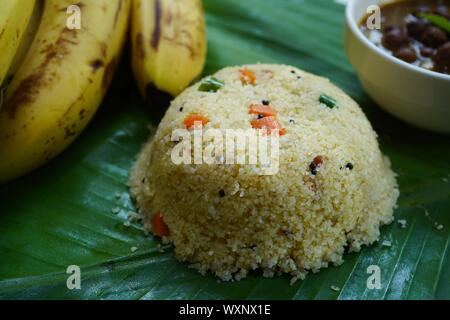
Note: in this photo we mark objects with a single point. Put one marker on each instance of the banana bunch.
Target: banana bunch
(62, 79)
(57, 75)
(168, 39)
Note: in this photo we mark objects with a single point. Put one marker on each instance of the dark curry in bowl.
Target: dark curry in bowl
(415, 31)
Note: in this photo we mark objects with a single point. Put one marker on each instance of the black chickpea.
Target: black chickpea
(406, 54)
(433, 36)
(395, 38)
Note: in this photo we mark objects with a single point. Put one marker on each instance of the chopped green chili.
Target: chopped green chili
(437, 20)
(328, 101)
(211, 85)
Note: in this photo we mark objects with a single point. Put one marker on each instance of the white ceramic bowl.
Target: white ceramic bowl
(416, 95)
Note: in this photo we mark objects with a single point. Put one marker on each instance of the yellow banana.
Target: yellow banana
(14, 18)
(27, 40)
(61, 82)
(168, 43)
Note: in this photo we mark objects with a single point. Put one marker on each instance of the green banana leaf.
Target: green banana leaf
(61, 215)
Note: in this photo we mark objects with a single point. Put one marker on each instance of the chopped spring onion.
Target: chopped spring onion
(328, 101)
(211, 85)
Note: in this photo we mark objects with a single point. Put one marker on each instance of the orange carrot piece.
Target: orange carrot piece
(190, 120)
(318, 161)
(268, 123)
(160, 228)
(247, 76)
(261, 109)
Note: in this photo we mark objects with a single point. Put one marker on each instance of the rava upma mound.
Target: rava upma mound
(332, 188)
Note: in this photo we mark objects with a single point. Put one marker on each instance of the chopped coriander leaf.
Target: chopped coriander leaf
(211, 85)
(328, 101)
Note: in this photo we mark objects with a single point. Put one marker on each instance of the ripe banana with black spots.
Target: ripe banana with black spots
(61, 82)
(168, 44)
(14, 18)
(27, 40)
